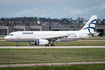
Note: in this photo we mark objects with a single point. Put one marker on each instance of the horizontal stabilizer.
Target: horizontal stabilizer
(95, 33)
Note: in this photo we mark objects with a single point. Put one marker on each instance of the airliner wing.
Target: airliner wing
(57, 37)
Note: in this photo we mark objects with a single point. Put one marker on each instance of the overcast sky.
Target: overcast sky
(52, 8)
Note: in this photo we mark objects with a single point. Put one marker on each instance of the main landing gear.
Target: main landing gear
(51, 44)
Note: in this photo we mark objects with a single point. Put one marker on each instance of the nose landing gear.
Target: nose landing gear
(17, 44)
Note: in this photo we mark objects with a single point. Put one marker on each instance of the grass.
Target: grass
(81, 43)
(73, 43)
(6, 43)
(18, 56)
(70, 67)
(96, 38)
(27, 56)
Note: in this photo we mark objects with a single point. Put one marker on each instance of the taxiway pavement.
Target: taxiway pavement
(51, 64)
(52, 47)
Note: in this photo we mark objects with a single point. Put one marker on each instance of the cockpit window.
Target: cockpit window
(10, 35)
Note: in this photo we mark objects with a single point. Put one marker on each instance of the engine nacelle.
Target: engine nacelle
(39, 42)
(42, 42)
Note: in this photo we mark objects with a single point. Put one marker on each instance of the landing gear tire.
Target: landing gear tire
(52, 45)
(17, 45)
(47, 45)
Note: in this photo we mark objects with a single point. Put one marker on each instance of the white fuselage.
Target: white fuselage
(31, 36)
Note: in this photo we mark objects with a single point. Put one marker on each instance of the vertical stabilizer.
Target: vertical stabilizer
(90, 25)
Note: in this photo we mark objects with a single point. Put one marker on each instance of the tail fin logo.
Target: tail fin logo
(90, 27)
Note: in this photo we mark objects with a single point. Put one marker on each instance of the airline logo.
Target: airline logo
(27, 33)
(91, 27)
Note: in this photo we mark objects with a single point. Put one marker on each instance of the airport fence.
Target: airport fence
(51, 57)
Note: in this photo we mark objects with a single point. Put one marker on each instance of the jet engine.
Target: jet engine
(39, 42)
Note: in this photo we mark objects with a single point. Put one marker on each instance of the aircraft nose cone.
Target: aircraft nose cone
(5, 38)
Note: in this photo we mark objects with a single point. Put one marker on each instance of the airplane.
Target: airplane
(48, 37)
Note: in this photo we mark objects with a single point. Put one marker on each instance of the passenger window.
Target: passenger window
(10, 35)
